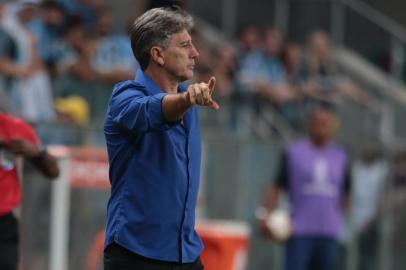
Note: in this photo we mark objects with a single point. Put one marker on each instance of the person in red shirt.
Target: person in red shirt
(17, 140)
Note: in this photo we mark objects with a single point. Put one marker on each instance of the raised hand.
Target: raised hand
(201, 94)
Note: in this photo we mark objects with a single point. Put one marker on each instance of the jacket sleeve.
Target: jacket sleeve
(137, 112)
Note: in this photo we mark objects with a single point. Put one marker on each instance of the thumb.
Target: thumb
(211, 83)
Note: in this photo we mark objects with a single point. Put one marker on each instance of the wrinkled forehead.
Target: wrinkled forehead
(182, 36)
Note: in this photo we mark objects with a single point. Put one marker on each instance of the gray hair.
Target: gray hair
(155, 28)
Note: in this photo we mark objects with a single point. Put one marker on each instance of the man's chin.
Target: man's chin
(186, 77)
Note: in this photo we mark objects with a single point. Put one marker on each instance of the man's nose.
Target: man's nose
(195, 53)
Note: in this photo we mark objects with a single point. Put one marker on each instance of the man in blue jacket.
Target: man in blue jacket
(153, 144)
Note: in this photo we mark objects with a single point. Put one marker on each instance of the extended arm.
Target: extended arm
(135, 111)
(271, 198)
(41, 159)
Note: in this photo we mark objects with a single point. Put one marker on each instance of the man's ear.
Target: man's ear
(157, 55)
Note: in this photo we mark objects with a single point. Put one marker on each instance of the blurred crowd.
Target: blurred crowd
(264, 67)
(59, 60)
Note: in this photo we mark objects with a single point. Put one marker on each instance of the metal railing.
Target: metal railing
(338, 21)
(394, 29)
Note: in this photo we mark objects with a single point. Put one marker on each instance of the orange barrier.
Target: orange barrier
(226, 244)
(95, 255)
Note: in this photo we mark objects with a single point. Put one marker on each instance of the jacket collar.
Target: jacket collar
(151, 86)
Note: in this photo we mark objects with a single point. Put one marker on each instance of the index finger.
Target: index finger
(211, 83)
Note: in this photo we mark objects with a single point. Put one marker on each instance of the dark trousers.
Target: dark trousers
(311, 253)
(8, 242)
(119, 258)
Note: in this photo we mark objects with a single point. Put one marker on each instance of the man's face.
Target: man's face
(250, 38)
(53, 17)
(293, 55)
(103, 24)
(322, 126)
(76, 36)
(28, 13)
(273, 42)
(320, 44)
(180, 56)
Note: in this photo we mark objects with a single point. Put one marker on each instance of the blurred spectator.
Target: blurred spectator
(106, 58)
(314, 174)
(272, 70)
(48, 30)
(90, 64)
(249, 40)
(73, 54)
(17, 140)
(369, 174)
(29, 84)
(325, 83)
(293, 109)
(225, 67)
(86, 10)
(249, 55)
(320, 68)
(264, 73)
(77, 76)
(292, 60)
(112, 58)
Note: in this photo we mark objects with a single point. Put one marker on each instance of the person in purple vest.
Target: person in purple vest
(315, 174)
